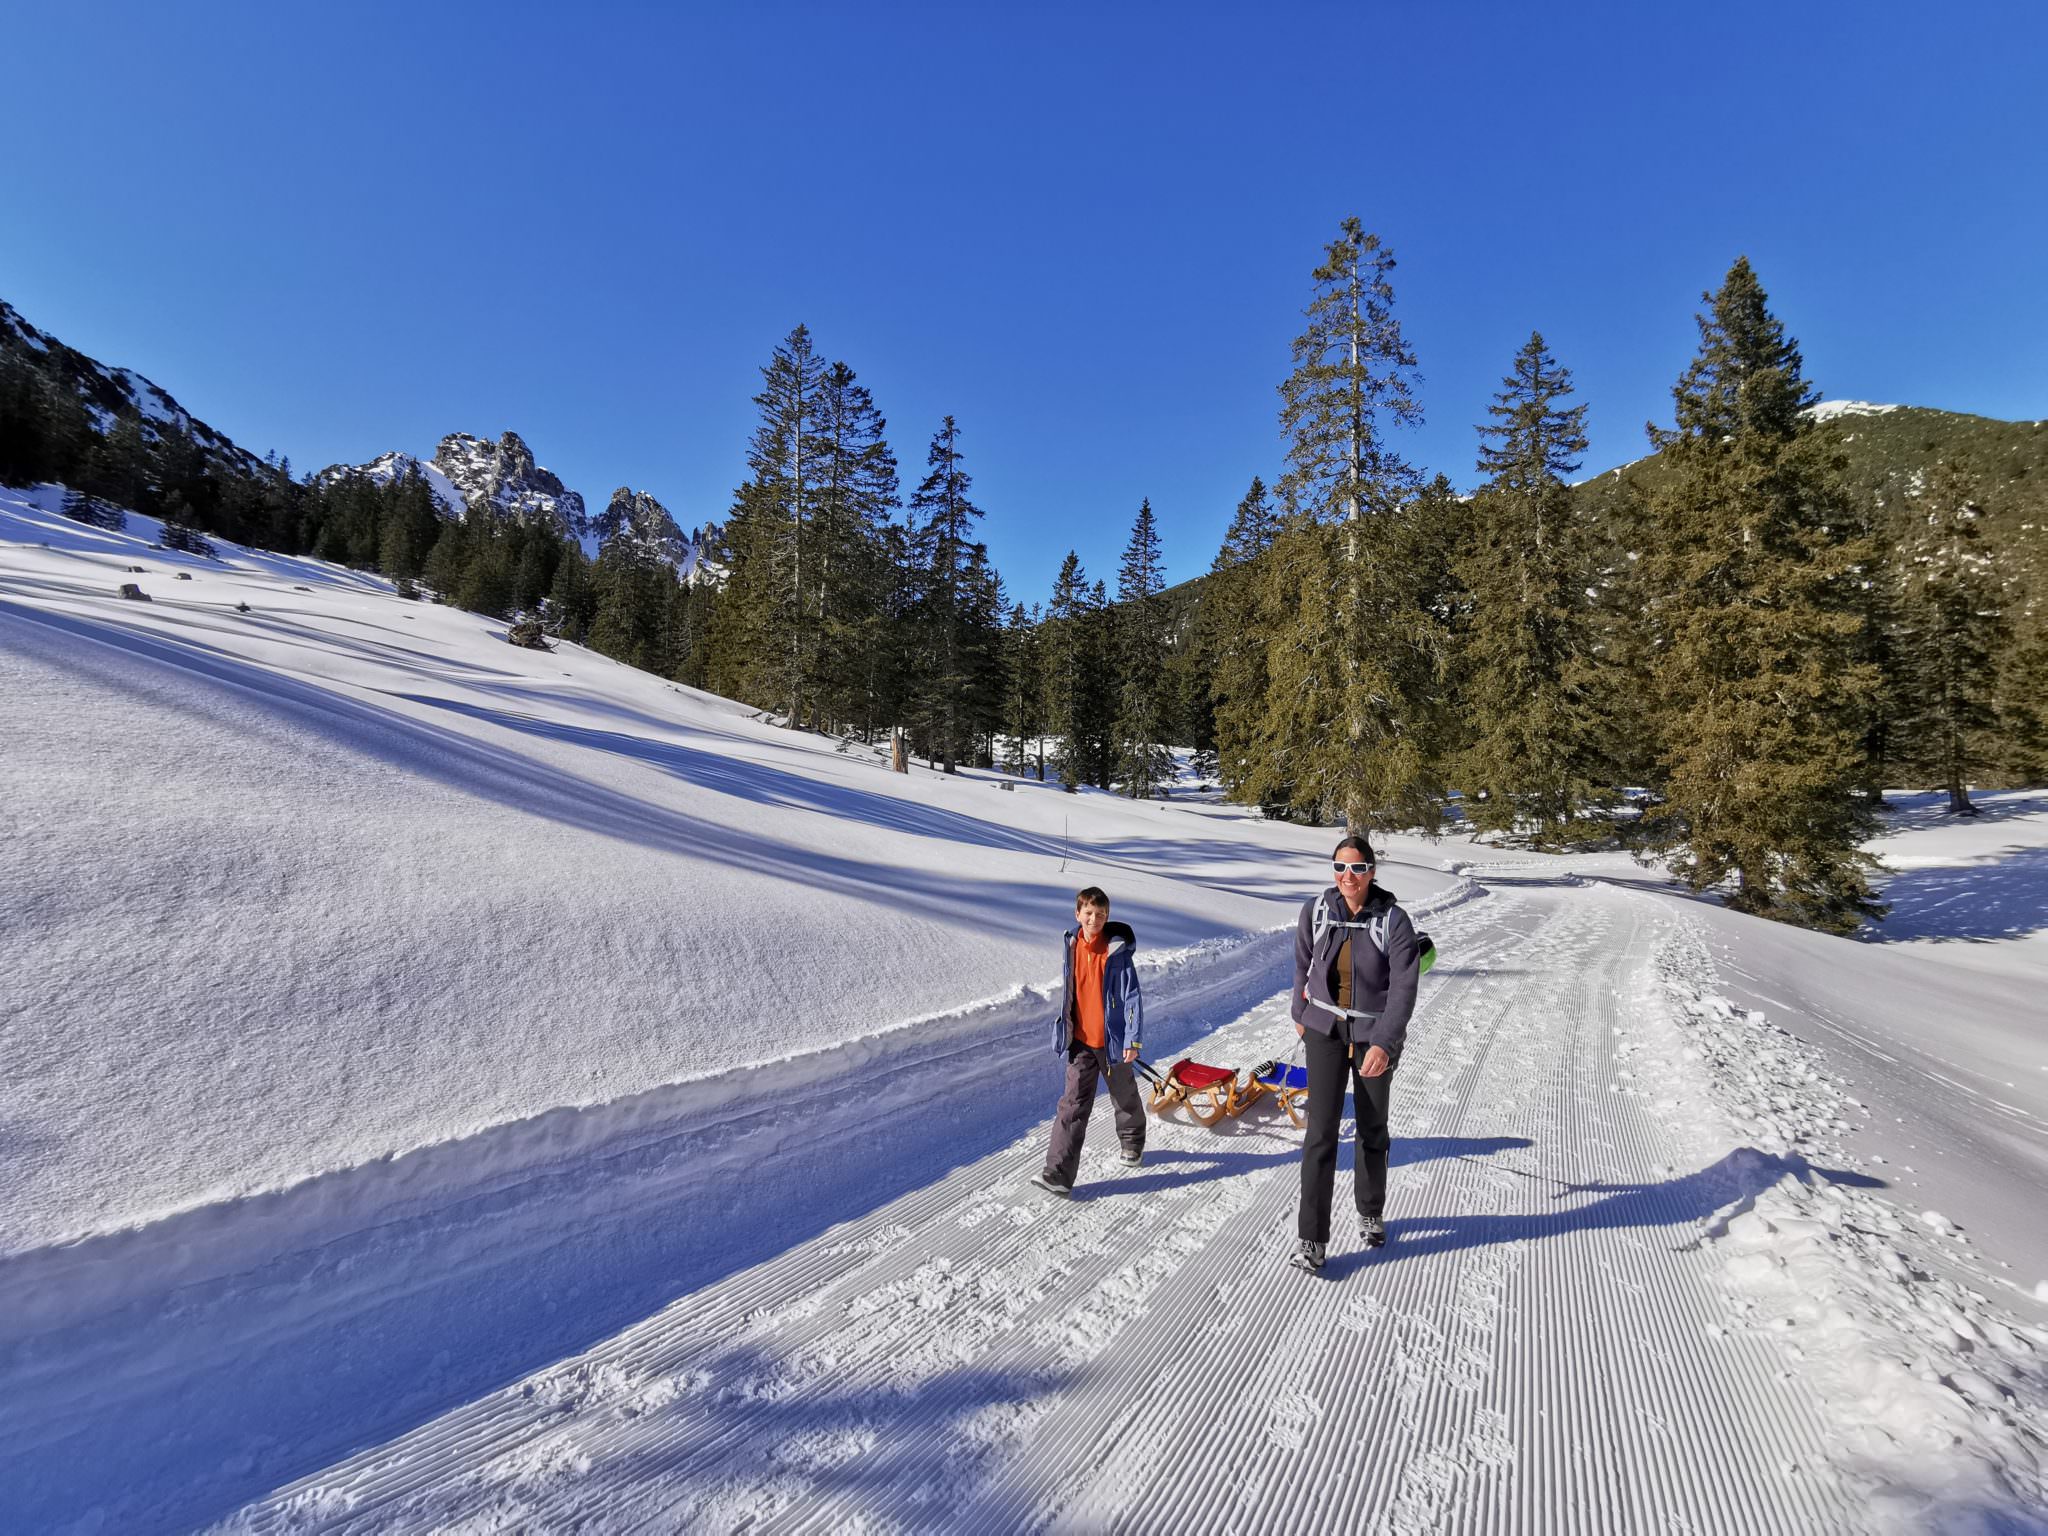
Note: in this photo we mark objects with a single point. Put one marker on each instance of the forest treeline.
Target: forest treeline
(1722, 663)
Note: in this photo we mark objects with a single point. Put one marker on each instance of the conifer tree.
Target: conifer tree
(1097, 687)
(1530, 699)
(856, 492)
(1142, 757)
(762, 645)
(487, 580)
(982, 636)
(1762, 701)
(632, 618)
(1239, 623)
(571, 601)
(890, 649)
(1023, 690)
(944, 518)
(1067, 646)
(746, 660)
(1949, 635)
(93, 512)
(116, 466)
(1350, 727)
(445, 562)
(2023, 709)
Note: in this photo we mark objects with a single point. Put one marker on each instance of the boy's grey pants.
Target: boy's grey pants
(1085, 1066)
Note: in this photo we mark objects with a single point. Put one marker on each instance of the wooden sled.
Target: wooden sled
(1285, 1084)
(1204, 1092)
(1210, 1094)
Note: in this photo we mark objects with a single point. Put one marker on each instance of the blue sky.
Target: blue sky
(1084, 230)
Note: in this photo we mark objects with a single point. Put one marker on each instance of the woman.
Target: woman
(1356, 967)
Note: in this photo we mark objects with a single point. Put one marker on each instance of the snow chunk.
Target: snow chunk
(1828, 410)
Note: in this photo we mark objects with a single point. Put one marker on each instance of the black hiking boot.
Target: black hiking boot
(1048, 1181)
(1372, 1231)
(1309, 1256)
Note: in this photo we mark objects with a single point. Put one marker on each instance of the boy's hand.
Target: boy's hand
(1130, 1053)
(1374, 1063)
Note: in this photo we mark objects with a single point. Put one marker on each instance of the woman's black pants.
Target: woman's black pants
(1332, 1066)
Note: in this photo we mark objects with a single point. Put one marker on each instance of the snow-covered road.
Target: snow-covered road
(1545, 1344)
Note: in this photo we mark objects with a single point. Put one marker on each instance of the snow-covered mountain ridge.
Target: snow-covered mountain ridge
(468, 472)
(111, 394)
(464, 472)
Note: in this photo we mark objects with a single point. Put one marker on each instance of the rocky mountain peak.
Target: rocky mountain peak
(646, 525)
(504, 476)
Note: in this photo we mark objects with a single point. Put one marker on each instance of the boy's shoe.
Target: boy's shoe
(1045, 1180)
(1309, 1256)
(1372, 1230)
(1133, 1156)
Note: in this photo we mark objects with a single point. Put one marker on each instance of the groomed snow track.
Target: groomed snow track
(1543, 1347)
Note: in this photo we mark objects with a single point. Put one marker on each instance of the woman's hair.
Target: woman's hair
(1354, 840)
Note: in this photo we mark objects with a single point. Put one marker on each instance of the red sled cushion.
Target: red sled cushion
(1192, 1074)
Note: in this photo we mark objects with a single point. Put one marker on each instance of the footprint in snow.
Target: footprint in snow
(1361, 1313)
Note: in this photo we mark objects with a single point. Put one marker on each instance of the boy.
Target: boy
(1098, 1032)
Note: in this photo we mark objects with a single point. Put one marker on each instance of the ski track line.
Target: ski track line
(975, 1355)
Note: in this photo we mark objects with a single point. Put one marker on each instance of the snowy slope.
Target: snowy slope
(357, 876)
(454, 1087)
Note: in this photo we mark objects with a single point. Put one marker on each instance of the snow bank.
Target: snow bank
(1933, 1384)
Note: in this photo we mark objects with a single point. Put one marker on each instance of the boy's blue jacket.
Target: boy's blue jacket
(1123, 1010)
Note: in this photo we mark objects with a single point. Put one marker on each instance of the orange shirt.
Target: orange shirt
(1089, 961)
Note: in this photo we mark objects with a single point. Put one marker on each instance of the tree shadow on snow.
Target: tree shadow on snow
(1015, 906)
(1920, 810)
(2001, 898)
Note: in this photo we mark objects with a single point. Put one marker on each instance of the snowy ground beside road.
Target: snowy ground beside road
(453, 1087)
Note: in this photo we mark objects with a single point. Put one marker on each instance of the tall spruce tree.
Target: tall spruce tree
(1239, 623)
(986, 602)
(1068, 648)
(1024, 690)
(1142, 756)
(1762, 700)
(1949, 635)
(1352, 713)
(944, 517)
(856, 493)
(763, 641)
(1533, 756)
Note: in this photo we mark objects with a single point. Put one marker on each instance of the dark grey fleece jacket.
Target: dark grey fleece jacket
(1383, 982)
